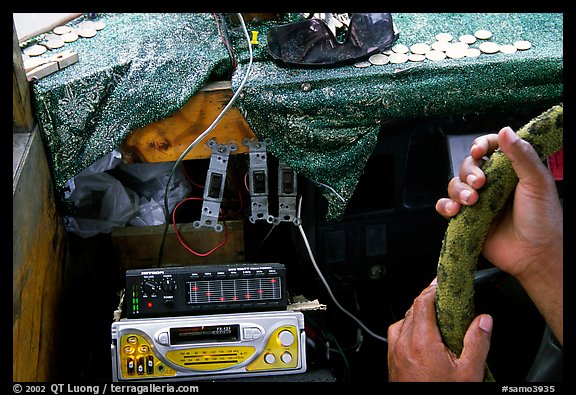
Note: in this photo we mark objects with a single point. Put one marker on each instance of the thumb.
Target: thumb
(477, 342)
(524, 158)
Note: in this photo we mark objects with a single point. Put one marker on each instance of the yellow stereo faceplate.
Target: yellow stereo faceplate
(138, 361)
(280, 352)
(277, 355)
(210, 358)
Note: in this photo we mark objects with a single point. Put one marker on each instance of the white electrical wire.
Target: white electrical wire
(331, 189)
(232, 100)
(310, 253)
(208, 130)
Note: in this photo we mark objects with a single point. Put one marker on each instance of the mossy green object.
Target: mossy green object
(466, 232)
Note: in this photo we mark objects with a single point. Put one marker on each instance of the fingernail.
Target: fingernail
(472, 148)
(465, 195)
(486, 323)
(471, 179)
(434, 282)
(512, 137)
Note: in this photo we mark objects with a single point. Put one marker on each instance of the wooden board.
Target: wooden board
(138, 247)
(38, 253)
(167, 139)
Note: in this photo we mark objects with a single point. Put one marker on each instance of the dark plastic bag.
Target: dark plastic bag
(312, 43)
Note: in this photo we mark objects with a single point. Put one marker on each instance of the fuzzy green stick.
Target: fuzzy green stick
(465, 234)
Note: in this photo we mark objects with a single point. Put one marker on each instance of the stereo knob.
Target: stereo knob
(149, 286)
(285, 338)
(168, 286)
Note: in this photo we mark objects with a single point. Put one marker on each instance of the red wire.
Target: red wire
(183, 243)
(190, 178)
(224, 41)
(246, 182)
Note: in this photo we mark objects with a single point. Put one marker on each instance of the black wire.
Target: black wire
(227, 43)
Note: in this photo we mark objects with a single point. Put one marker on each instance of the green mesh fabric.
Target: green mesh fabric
(324, 122)
(139, 69)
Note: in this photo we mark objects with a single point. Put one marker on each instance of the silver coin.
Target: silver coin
(35, 50)
(62, 29)
(378, 59)
(459, 46)
(400, 48)
(363, 64)
(398, 58)
(522, 45)
(419, 48)
(508, 48)
(440, 45)
(86, 25)
(54, 43)
(456, 52)
(446, 37)
(69, 37)
(50, 36)
(435, 55)
(472, 52)
(388, 52)
(416, 57)
(483, 34)
(86, 32)
(467, 38)
(99, 25)
(489, 47)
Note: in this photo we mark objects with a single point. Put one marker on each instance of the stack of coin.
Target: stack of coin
(379, 59)
(53, 41)
(444, 47)
(60, 36)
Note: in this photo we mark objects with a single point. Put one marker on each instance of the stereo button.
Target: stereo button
(163, 338)
(149, 364)
(140, 365)
(269, 358)
(286, 357)
(128, 350)
(252, 333)
(285, 338)
(130, 365)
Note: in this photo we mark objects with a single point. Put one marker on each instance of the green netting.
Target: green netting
(139, 69)
(325, 122)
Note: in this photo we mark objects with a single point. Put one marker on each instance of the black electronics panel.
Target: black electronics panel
(193, 290)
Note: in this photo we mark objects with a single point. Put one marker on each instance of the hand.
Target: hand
(416, 351)
(526, 240)
(532, 227)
